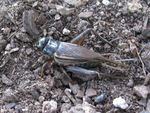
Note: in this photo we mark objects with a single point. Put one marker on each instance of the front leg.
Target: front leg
(82, 73)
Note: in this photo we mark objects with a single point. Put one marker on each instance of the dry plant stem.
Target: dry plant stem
(145, 23)
(95, 33)
(67, 92)
(143, 66)
(111, 67)
(6, 60)
(42, 70)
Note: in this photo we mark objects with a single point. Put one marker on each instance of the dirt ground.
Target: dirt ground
(22, 87)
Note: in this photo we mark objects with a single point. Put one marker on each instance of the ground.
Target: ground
(24, 90)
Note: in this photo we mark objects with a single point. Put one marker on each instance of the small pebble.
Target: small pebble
(101, 98)
(35, 4)
(65, 107)
(148, 106)
(14, 50)
(74, 88)
(106, 2)
(80, 94)
(66, 31)
(85, 14)
(134, 6)
(130, 83)
(120, 103)
(10, 105)
(90, 92)
(76, 2)
(6, 80)
(141, 91)
(8, 47)
(57, 17)
(2, 43)
(52, 12)
(65, 99)
(41, 98)
(49, 106)
(9, 95)
(83, 24)
(28, 51)
(63, 10)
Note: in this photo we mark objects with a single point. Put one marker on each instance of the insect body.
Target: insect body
(69, 54)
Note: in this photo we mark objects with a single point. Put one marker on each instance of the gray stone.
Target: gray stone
(23, 37)
(65, 99)
(6, 80)
(9, 96)
(141, 91)
(52, 12)
(23, 84)
(65, 107)
(80, 94)
(3, 11)
(83, 24)
(41, 98)
(85, 14)
(57, 17)
(82, 108)
(130, 83)
(74, 87)
(76, 2)
(90, 92)
(10, 105)
(134, 6)
(3, 43)
(49, 106)
(28, 51)
(148, 106)
(142, 102)
(63, 10)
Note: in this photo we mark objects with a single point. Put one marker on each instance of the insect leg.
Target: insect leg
(82, 73)
(80, 38)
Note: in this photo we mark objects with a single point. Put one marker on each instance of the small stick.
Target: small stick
(67, 92)
(106, 41)
(143, 66)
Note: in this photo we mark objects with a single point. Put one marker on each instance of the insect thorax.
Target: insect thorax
(51, 47)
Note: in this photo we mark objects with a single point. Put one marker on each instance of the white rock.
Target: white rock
(85, 14)
(134, 6)
(141, 91)
(76, 2)
(57, 17)
(66, 31)
(120, 103)
(82, 108)
(106, 2)
(49, 106)
(8, 47)
(63, 10)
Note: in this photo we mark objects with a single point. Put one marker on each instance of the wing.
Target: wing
(69, 53)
